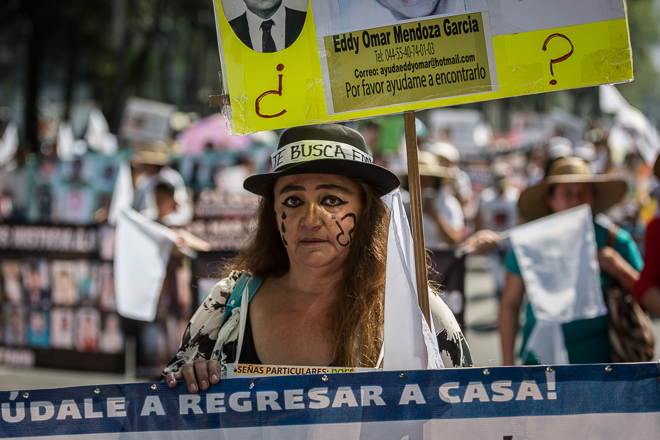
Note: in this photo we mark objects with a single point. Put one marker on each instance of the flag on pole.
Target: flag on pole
(142, 250)
(98, 134)
(122, 196)
(409, 342)
(8, 143)
(557, 259)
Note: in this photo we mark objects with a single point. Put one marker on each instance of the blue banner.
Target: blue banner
(586, 401)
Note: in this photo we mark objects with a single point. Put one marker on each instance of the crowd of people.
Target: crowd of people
(469, 205)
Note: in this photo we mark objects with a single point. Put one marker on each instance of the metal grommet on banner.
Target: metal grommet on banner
(97, 391)
(154, 386)
(401, 375)
(251, 385)
(26, 395)
(324, 378)
(550, 369)
(486, 372)
(608, 368)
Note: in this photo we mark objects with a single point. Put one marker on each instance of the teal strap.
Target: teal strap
(237, 294)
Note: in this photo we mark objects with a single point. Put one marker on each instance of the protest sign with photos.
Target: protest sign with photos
(334, 60)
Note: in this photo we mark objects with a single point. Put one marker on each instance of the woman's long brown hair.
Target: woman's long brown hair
(358, 315)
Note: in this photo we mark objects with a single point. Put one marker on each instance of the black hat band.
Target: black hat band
(309, 150)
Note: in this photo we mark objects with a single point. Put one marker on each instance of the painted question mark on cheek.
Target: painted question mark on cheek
(561, 58)
(350, 231)
(283, 228)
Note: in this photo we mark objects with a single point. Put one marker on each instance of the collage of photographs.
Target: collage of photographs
(59, 304)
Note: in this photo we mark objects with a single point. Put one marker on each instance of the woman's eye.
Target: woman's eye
(292, 202)
(333, 201)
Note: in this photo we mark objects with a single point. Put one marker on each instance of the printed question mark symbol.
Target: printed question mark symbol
(560, 59)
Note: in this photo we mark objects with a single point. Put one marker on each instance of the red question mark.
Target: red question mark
(560, 59)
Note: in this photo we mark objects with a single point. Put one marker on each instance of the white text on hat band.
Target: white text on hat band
(305, 151)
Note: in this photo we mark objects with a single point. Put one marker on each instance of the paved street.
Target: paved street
(481, 332)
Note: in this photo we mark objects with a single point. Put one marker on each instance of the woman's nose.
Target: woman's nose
(312, 218)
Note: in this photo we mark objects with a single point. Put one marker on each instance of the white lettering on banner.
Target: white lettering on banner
(528, 388)
(152, 404)
(266, 399)
(35, 411)
(412, 393)
(318, 398)
(475, 390)
(344, 396)
(189, 402)
(116, 407)
(502, 391)
(6, 413)
(293, 399)
(316, 149)
(89, 410)
(215, 403)
(68, 408)
(443, 391)
(370, 394)
(236, 404)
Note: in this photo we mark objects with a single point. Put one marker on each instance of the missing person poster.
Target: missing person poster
(289, 62)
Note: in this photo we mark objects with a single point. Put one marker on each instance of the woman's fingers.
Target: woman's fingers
(198, 375)
(202, 372)
(214, 371)
(188, 373)
(171, 378)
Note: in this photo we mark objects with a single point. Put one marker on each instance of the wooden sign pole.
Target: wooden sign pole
(415, 190)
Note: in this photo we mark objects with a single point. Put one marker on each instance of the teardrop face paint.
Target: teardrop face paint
(283, 229)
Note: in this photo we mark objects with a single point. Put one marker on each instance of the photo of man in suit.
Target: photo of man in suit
(267, 25)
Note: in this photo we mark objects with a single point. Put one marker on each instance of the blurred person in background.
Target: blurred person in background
(498, 212)
(569, 184)
(448, 156)
(444, 224)
(152, 168)
(647, 288)
(15, 186)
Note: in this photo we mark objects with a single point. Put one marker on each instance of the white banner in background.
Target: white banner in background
(142, 250)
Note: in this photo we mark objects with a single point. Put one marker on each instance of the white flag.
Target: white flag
(142, 250)
(557, 257)
(98, 134)
(122, 196)
(8, 144)
(409, 342)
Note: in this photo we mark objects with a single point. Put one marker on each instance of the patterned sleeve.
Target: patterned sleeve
(454, 348)
(202, 331)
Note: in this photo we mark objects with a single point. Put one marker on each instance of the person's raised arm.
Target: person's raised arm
(510, 304)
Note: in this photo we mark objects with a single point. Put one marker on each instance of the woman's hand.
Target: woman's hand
(200, 374)
(481, 242)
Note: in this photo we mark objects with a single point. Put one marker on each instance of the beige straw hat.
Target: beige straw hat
(607, 190)
(428, 166)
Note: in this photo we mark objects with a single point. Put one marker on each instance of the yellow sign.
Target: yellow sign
(287, 370)
(519, 47)
(408, 63)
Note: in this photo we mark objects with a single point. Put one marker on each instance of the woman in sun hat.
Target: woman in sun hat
(647, 288)
(570, 183)
(313, 273)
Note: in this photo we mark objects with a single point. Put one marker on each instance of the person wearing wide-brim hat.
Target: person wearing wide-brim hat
(647, 288)
(444, 223)
(569, 184)
(314, 266)
(151, 168)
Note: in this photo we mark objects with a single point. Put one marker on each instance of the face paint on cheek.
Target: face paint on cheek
(341, 239)
(283, 228)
